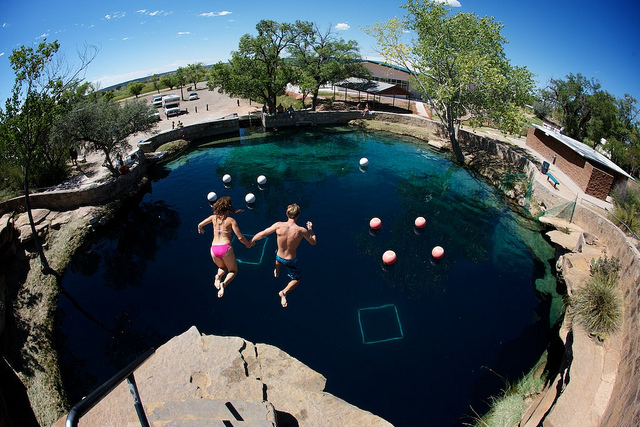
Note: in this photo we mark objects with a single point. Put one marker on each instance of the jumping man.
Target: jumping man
(289, 236)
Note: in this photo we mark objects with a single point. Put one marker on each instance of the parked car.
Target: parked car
(157, 101)
(193, 96)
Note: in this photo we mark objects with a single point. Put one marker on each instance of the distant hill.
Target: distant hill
(142, 79)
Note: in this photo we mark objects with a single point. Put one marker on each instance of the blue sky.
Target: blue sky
(136, 38)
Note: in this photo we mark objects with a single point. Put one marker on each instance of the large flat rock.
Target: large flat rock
(191, 378)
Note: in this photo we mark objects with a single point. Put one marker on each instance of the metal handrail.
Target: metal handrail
(97, 395)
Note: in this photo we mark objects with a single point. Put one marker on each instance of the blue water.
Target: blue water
(419, 339)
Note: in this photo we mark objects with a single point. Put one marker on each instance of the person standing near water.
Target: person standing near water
(289, 235)
(221, 250)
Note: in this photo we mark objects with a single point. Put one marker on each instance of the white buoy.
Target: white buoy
(262, 180)
(250, 198)
(226, 178)
(364, 162)
(212, 197)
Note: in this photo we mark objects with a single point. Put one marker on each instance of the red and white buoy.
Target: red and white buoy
(375, 223)
(420, 222)
(389, 257)
(437, 252)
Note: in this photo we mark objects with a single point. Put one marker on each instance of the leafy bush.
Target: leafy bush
(627, 206)
(598, 305)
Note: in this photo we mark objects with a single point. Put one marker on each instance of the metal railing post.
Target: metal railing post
(96, 396)
(137, 403)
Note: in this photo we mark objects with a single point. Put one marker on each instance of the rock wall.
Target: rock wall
(624, 408)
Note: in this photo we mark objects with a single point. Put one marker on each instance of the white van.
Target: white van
(171, 104)
(157, 101)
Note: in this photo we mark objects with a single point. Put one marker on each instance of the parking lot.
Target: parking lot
(210, 105)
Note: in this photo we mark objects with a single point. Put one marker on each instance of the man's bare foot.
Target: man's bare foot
(283, 298)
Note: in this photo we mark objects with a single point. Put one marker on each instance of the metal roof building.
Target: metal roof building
(593, 172)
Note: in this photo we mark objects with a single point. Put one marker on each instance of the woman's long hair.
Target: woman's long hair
(223, 207)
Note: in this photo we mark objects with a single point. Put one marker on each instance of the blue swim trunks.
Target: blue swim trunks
(292, 267)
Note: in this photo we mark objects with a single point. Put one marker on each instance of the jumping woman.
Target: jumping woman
(221, 249)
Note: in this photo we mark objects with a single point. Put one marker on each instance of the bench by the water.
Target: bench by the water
(553, 179)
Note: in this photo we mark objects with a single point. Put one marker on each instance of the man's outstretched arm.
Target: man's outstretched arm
(265, 232)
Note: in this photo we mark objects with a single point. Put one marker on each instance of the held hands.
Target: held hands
(309, 226)
(250, 244)
(200, 230)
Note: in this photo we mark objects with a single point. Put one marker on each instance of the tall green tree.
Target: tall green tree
(195, 73)
(320, 57)
(135, 88)
(169, 81)
(458, 62)
(41, 92)
(106, 125)
(258, 70)
(603, 117)
(572, 98)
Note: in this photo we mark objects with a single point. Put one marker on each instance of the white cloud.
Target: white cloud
(214, 14)
(43, 35)
(153, 13)
(342, 26)
(5, 25)
(126, 38)
(1, 53)
(452, 3)
(182, 33)
(116, 15)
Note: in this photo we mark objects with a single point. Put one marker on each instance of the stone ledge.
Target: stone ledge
(195, 366)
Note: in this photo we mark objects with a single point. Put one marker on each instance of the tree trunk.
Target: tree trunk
(314, 101)
(44, 264)
(453, 137)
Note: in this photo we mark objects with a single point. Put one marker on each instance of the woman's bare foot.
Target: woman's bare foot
(221, 291)
(218, 279)
(276, 273)
(283, 298)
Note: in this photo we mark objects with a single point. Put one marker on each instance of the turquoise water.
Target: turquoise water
(419, 338)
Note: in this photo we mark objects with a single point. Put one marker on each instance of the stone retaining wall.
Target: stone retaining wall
(306, 118)
(191, 132)
(67, 199)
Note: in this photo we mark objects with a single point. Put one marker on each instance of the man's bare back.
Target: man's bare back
(289, 235)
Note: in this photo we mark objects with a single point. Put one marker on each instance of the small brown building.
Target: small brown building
(594, 173)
